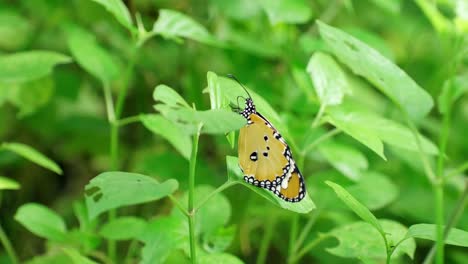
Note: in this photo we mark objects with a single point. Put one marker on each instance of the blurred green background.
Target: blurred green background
(266, 45)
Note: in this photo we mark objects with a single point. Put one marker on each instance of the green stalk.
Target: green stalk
(221, 188)
(265, 243)
(292, 237)
(8, 247)
(309, 247)
(191, 198)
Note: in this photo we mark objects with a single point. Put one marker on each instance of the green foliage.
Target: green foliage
(123, 228)
(8, 184)
(31, 154)
(455, 236)
(111, 190)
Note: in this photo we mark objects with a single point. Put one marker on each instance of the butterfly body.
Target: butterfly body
(266, 159)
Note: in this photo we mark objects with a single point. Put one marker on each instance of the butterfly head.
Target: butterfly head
(249, 108)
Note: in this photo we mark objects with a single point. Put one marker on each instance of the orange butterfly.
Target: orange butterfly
(265, 158)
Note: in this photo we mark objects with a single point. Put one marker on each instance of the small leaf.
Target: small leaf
(8, 184)
(29, 65)
(41, 221)
(292, 12)
(76, 257)
(356, 206)
(304, 206)
(360, 240)
(33, 155)
(451, 91)
(15, 30)
(217, 121)
(217, 100)
(90, 55)
(114, 189)
(217, 258)
(386, 76)
(118, 9)
(374, 198)
(347, 160)
(161, 237)
(219, 240)
(168, 96)
(123, 228)
(329, 80)
(174, 25)
(456, 237)
(168, 130)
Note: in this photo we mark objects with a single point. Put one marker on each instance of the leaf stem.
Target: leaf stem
(319, 140)
(127, 75)
(457, 170)
(178, 205)
(265, 243)
(292, 237)
(191, 198)
(8, 247)
(319, 115)
(310, 246)
(128, 120)
(305, 231)
(221, 188)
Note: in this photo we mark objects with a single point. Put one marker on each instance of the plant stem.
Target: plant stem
(457, 170)
(127, 75)
(191, 198)
(221, 188)
(319, 115)
(265, 243)
(178, 205)
(305, 231)
(292, 237)
(8, 247)
(309, 246)
(128, 120)
(319, 140)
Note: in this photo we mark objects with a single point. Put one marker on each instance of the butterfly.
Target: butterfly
(265, 158)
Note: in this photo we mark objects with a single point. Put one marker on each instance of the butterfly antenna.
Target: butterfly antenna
(235, 79)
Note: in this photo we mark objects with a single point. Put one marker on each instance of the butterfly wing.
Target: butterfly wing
(266, 160)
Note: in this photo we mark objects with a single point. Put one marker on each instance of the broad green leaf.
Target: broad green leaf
(217, 258)
(174, 25)
(118, 9)
(15, 30)
(41, 221)
(219, 240)
(347, 160)
(456, 237)
(367, 193)
(392, 6)
(304, 82)
(372, 130)
(29, 65)
(30, 96)
(90, 55)
(123, 228)
(76, 257)
(217, 121)
(161, 237)
(216, 98)
(357, 207)
(212, 215)
(52, 257)
(286, 11)
(240, 9)
(8, 184)
(114, 189)
(168, 96)
(451, 91)
(360, 240)
(168, 130)
(329, 80)
(386, 76)
(33, 155)
(304, 206)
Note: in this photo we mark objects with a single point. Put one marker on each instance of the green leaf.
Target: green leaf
(123, 228)
(168, 96)
(374, 198)
(175, 25)
(451, 91)
(33, 155)
(219, 240)
(456, 237)
(386, 76)
(15, 30)
(304, 206)
(90, 55)
(41, 221)
(76, 257)
(118, 9)
(286, 11)
(216, 121)
(29, 65)
(168, 130)
(161, 237)
(360, 240)
(217, 258)
(329, 80)
(114, 189)
(357, 207)
(214, 214)
(347, 160)
(372, 130)
(8, 184)
(217, 100)
(392, 6)
(438, 20)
